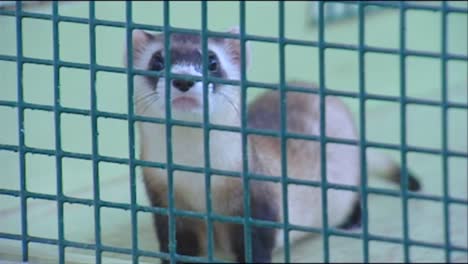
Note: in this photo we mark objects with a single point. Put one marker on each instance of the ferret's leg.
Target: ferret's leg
(162, 227)
(263, 239)
(188, 231)
(187, 237)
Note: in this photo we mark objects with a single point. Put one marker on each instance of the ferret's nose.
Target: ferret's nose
(183, 85)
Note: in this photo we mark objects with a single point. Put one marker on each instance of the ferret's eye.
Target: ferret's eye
(212, 62)
(157, 62)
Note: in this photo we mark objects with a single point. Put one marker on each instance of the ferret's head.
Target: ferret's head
(186, 96)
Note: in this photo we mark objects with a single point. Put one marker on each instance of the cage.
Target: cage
(70, 177)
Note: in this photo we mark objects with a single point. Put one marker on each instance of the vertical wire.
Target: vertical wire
(21, 131)
(445, 168)
(362, 139)
(168, 122)
(245, 168)
(131, 131)
(58, 136)
(283, 112)
(404, 172)
(206, 129)
(323, 162)
(94, 132)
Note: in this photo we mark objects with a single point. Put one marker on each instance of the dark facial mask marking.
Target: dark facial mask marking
(188, 56)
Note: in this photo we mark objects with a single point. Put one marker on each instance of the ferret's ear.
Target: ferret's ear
(140, 40)
(234, 46)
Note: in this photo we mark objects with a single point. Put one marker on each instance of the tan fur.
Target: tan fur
(303, 157)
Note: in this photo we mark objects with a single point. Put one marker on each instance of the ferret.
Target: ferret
(225, 147)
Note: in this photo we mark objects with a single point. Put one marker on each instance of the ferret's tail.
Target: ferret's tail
(381, 165)
(384, 166)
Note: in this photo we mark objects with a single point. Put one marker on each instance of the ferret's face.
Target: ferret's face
(186, 58)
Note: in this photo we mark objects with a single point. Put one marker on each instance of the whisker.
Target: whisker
(230, 102)
(150, 103)
(141, 98)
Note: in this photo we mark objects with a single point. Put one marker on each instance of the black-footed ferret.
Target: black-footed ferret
(264, 152)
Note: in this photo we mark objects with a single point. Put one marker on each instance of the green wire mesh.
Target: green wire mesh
(133, 162)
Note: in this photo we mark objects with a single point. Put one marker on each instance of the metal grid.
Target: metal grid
(133, 162)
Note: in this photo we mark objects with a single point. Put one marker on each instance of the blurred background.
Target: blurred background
(382, 77)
